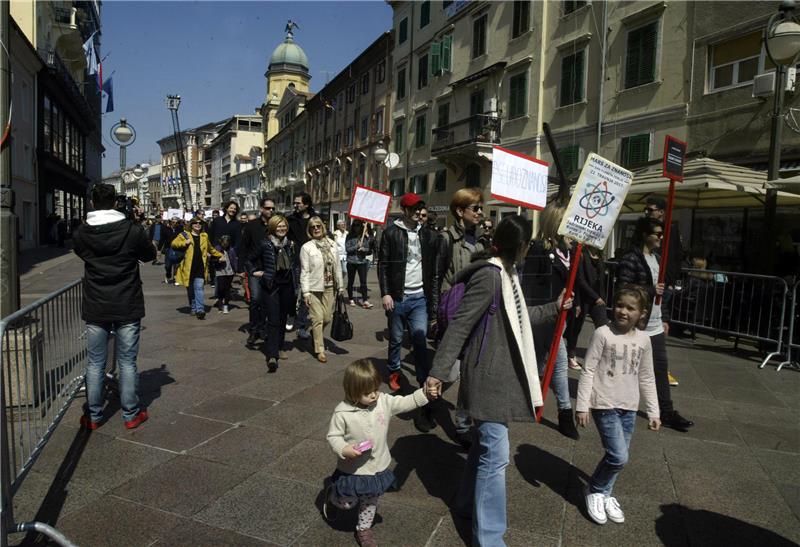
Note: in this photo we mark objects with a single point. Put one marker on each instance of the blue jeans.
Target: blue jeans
(411, 312)
(559, 383)
(257, 311)
(483, 485)
(127, 348)
(195, 293)
(615, 427)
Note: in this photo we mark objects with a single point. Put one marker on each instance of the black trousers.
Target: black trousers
(661, 368)
(361, 269)
(575, 325)
(224, 283)
(278, 303)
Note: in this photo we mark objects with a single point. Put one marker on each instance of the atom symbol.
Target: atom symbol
(596, 200)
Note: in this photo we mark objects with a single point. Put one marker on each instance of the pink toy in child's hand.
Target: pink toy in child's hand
(363, 446)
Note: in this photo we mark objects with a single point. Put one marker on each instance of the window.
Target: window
(424, 14)
(473, 176)
(635, 151)
(47, 124)
(401, 84)
(379, 121)
(572, 5)
(518, 96)
(735, 62)
(419, 137)
(327, 146)
(380, 72)
(419, 184)
(365, 84)
(398, 137)
(522, 17)
(447, 53)
(422, 72)
(364, 128)
(440, 181)
(351, 93)
(479, 36)
(337, 141)
(362, 171)
(572, 68)
(442, 120)
(640, 63)
(570, 159)
(441, 56)
(397, 187)
(351, 134)
(402, 31)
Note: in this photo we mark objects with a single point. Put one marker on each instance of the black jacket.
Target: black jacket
(392, 263)
(112, 288)
(264, 258)
(544, 276)
(220, 227)
(253, 233)
(632, 269)
(591, 279)
(298, 227)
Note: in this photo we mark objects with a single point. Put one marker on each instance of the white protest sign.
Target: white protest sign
(596, 201)
(175, 213)
(164, 215)
(519, 179)
(370, 205)
(208, 213)
(187, 216)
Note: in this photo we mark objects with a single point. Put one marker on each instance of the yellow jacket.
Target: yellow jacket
(184, 241)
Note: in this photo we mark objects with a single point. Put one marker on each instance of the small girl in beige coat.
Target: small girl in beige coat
(357, 435)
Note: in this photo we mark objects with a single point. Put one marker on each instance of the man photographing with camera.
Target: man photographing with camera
(111, 246)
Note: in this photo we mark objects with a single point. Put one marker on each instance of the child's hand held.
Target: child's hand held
(582, 418)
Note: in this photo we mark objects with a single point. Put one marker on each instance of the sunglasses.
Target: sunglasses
(659, 235)
(475, 208)
(651, 209)
(316, 226)
(270, 208)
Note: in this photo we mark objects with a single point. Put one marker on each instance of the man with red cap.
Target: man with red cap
(406, 274)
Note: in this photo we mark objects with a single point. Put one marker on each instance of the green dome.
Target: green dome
(288, 55)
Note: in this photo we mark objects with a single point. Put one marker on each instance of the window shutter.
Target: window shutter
(635, 150)
(640, 65)
(567, 79)
(447, 49)
(435, 54)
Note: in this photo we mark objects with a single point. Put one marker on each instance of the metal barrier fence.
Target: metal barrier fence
(793, 337)
(740, 305)
(41, 371)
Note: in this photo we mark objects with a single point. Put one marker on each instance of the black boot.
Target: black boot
(675, 421)
(566, 424)
(423, 420)
(252, 340)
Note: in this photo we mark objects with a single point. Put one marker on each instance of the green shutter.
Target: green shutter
(569, 156)
(640, 65)
(447, 53)
(635, 150)
(435, 54)
(567, 79)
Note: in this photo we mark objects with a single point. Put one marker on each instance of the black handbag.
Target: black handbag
(341, 327)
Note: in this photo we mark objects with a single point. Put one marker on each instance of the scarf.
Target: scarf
(282, 262)
(327, 258)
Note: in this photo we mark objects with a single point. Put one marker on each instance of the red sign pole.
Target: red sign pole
(562, 318)
(662, 267)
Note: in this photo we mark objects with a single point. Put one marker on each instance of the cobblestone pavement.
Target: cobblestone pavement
(234, 456)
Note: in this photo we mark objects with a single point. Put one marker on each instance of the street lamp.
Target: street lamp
(782, 43)
(123, 134)
(379, 154)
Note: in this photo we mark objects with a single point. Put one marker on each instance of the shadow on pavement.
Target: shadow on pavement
(709, 528)
(29, 259)
(53, 502)
(539, 467)
(150, 383)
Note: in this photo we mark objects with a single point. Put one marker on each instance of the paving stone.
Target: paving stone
(190, 533)
(708, 429)
(770, 437)
(175, 431)
(309, 461)
(265, 506)
(747, 395)
(183, 485)
(245, 448)
(298, 420)
(51, 498)
(229, 408)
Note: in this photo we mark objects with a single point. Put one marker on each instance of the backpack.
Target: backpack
(450, 301)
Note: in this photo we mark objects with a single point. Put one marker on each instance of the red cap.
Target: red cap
(410, 200)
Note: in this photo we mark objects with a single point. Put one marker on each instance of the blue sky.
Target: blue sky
(214, 54)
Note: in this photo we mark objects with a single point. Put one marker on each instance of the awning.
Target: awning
(790, 185)
(707, 183)
(479, 74)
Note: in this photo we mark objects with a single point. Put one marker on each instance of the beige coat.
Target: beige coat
(312, 268)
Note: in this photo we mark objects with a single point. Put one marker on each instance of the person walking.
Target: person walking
(406, 272)
(270, 267)
(640, 267)
(193, 270)
(359, 245)
(340, 237)
(499, 374)
(545, 275)
(168, 233)
(111, 247)
(456, 247)
(486, 233)
(320, 281)
(591, 283)
(226, 269)
(298, 233)
(253, 234)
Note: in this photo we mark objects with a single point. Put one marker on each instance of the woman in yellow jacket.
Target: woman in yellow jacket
(193, 270)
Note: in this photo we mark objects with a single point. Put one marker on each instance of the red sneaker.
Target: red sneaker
(394, 381)
(88, 423)
(138, 420)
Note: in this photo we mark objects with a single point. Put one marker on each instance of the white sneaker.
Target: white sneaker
(224, 309)
(595, 506)
(613, 510)
(289, 326)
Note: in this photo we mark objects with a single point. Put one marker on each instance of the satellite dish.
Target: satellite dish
(392, 160)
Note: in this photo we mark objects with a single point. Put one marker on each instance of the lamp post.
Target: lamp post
(173, 103)
(379, 154)
(782, 44)
(123, 134)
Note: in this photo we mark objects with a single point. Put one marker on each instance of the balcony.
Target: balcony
(59, 71)
(66, 34)
(472, 136)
